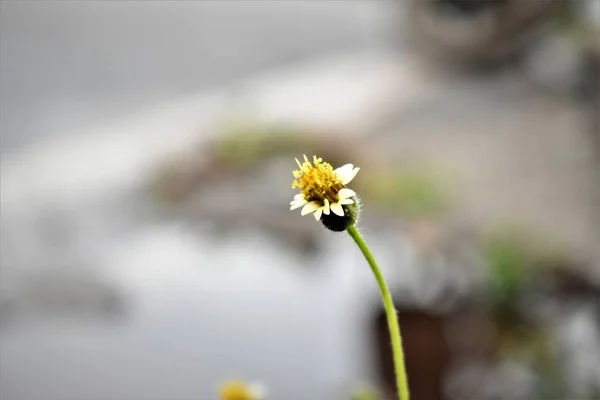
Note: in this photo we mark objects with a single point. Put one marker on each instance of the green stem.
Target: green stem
(391, 313)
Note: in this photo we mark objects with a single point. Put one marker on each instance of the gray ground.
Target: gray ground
(68, 64)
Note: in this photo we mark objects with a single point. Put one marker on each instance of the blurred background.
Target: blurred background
(147, 250)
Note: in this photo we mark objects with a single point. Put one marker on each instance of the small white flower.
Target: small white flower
(322, 188)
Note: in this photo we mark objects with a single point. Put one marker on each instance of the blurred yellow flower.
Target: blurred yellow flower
(322, 188)
(239, 390)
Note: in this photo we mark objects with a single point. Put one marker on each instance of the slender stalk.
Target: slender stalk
(391, 314)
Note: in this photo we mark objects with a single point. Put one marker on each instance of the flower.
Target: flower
(240, 390)
(324, 194)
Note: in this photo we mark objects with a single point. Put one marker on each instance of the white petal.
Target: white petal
(299, 196)
(326, 207)
(346, 193)
(297, 204)
(351, 175)
(344, 169)
(337, 209)
(310, 207)
(346, 201)
(346, 173)
(318, 213)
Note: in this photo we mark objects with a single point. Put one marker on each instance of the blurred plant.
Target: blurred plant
(515, 255)
(569, 18)
(516, 258)
(365, 393)
(506, 253)
(238, 150)
(408, 192)
(249, 143)
(324, 194)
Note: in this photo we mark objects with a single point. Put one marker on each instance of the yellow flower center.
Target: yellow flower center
(318, 182)
(236, 390)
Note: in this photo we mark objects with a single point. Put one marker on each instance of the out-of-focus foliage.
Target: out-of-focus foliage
(248, 143)
(566, 18)
(516, 258)
(506, 253)
(407, 191)
(514, 255)
(365, 393)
